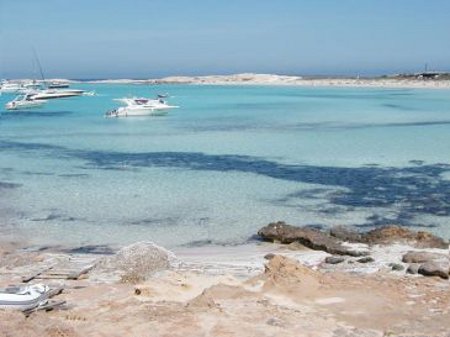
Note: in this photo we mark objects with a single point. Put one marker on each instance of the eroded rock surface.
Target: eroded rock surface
(137, 262)
(393, 234)
(309, 237)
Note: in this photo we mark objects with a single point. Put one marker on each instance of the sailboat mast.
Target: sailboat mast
(39, 65)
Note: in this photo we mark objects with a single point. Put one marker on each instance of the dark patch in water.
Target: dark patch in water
(198, 243)
(4, 185)
(74, 175)
(56, 216)
(31, 173)
(91, 249)
(29, 113)
(413, 189)
(417, 162)
(333, 126)
(168, 221)
(398, 107)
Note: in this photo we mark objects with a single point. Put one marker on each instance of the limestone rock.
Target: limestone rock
(269, 256)
(434, 269)
(422, 257)
(413, 268)
(366, 259)
(345, 233)
(334, 259)
(137, 262)
(392, 234)
(396, 266)
(311, 238)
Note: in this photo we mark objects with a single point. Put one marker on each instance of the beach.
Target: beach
(264, 289)
(80, 191)
(224, 168)
(274, 79)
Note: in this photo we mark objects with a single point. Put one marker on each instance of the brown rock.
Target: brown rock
(345, 233)
(366, 259)
(413, 268)
(334, 259)
(284, 271)
(396, 266)
(422, 257)
(311, 238)
(434, 269)
(392, 234)
(269, 256)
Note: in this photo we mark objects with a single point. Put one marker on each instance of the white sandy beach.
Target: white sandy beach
(273, 79)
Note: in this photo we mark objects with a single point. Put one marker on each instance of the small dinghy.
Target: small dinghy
(24, 298)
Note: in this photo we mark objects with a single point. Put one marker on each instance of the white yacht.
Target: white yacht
(10, 87)
(25, 101)
(56, 93)
(58, 85)
(141, 107)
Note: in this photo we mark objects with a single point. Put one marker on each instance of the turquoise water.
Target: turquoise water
(228, 161)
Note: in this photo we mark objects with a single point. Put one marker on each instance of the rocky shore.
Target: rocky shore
(389, 281)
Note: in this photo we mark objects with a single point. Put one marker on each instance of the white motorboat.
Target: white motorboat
(26, 101)
(56, 93)
(24, 298)
(58, 85)
(10, 88)
(141, 107)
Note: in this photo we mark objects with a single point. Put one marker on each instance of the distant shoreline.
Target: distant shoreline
(286, 80)
(397, 81)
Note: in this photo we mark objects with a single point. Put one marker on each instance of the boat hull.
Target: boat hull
(54, 95)
(24, 105)
(130, 112)
(27, 298)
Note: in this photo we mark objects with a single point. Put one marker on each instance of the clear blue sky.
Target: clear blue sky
(152, 38)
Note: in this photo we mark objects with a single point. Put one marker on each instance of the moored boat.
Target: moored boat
(10, 87)
(141, 107)
(56, 93)
(58, 85)
(25, 101)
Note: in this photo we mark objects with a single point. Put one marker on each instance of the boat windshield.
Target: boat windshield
(141, 101)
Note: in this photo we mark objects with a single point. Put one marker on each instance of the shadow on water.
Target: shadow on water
(30, 113)
(308, 126)
(91, 249)
(4, 185)
(415, 189)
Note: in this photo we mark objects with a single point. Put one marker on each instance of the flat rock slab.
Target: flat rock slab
(346, 233)
(422, 257)
(334, 259)
(434, 269)
(392, 234)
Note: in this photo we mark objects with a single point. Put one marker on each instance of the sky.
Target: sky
(154, 38)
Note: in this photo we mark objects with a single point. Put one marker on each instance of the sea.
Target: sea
(228, 161)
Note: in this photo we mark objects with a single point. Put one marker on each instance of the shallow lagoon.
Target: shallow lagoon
(229, 160)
